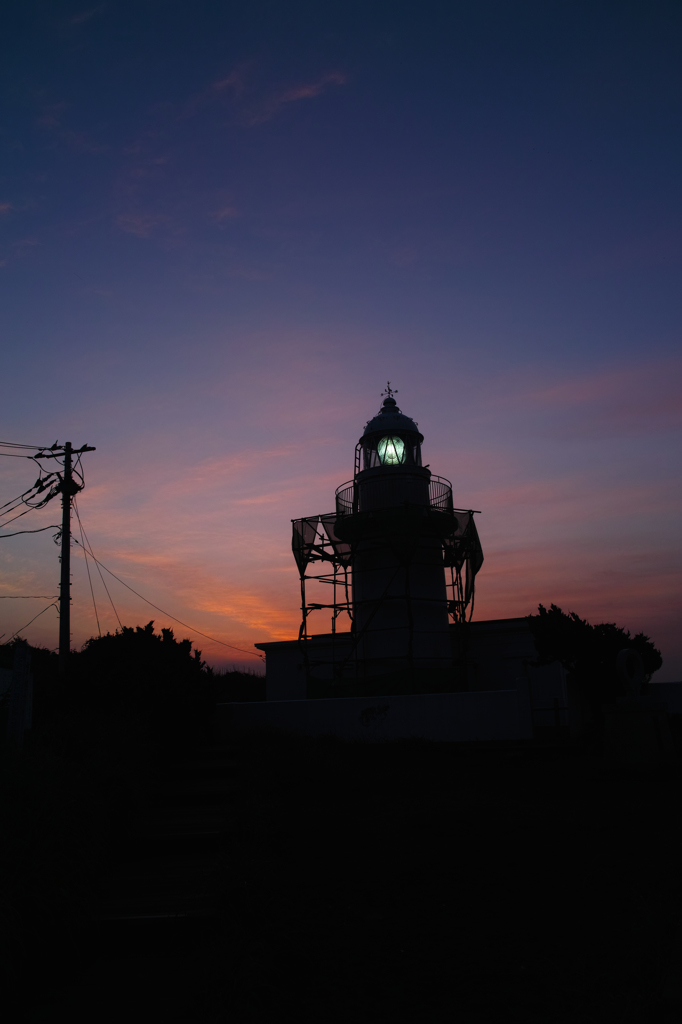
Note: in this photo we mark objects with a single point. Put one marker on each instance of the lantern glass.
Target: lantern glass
(391, 451)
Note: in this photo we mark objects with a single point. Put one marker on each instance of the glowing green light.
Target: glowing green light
(391, 451)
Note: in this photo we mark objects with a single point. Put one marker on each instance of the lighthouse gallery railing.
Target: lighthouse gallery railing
(440, 495)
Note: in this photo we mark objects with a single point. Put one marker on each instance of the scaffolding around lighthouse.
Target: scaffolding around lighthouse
(324, 558)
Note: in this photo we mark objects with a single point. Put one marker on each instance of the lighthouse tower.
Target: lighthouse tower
(395, 563)
(394, 516)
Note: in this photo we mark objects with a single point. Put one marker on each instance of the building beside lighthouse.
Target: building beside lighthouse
(386, 641)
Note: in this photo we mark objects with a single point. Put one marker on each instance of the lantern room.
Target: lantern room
(389, 439)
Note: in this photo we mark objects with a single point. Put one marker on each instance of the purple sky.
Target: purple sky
(224, 227)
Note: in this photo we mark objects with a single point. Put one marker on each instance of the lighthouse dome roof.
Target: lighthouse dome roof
(390, 419)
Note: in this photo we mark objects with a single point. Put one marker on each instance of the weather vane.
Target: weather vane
(389, 390)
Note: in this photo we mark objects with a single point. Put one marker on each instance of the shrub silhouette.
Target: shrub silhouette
(154, 678)
(588, 653)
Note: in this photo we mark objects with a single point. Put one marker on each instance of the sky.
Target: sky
(224, 227)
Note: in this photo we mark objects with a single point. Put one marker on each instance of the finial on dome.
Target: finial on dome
(390, 418)
(389, 402)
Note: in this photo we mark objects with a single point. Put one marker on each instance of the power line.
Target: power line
(87, 567)
(23, 500)
(36, 447)
(185, 624)
(53, 605)
(15, 502)
(75, 506)
(39, 486)
(27, 597)
(29, 509)
(53, 527)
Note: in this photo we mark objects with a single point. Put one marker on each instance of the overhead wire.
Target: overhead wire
(11, 455)
(85, 536)
(28, 597)
(84, 544)
(87, 567)
(13, 508)
(16, 534)
(25, 499)
(36, 447)
(79, 472)
(15, 502)
(173, 617)
(25, 512)
(53, 605)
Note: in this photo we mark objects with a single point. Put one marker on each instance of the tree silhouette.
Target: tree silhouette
(136, 672)
(588, 652)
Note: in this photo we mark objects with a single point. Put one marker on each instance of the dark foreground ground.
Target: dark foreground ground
(415, 882)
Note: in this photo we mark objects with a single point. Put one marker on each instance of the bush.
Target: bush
(232, 685)
(68, 803)
(588, 652)
(103, 737)
(150, 678)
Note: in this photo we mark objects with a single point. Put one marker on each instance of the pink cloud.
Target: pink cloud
(305, 92)
(632, 398)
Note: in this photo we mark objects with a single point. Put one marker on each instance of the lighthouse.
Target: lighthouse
(394, 515)
(391, 573)
(393, 568)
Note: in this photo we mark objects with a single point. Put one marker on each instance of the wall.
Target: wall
(455, 717)
(670, 694)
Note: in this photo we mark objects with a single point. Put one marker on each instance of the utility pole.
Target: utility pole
(68, 488)
(65, 576)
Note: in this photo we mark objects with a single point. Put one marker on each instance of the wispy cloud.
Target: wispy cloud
(270, 106)
(51, 120)
(640, 397)
(18, 250)
(141, 224)
(85, 16)
(234, 83)
(254, 103)
(225, 213)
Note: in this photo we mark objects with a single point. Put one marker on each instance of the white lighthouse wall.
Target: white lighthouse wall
(493, 716)
(499, 657)
(500, 653)
(397, 604)
(285, 663)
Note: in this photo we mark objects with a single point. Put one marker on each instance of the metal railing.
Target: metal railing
(440, 496)
(345, 499)
(440, 493)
